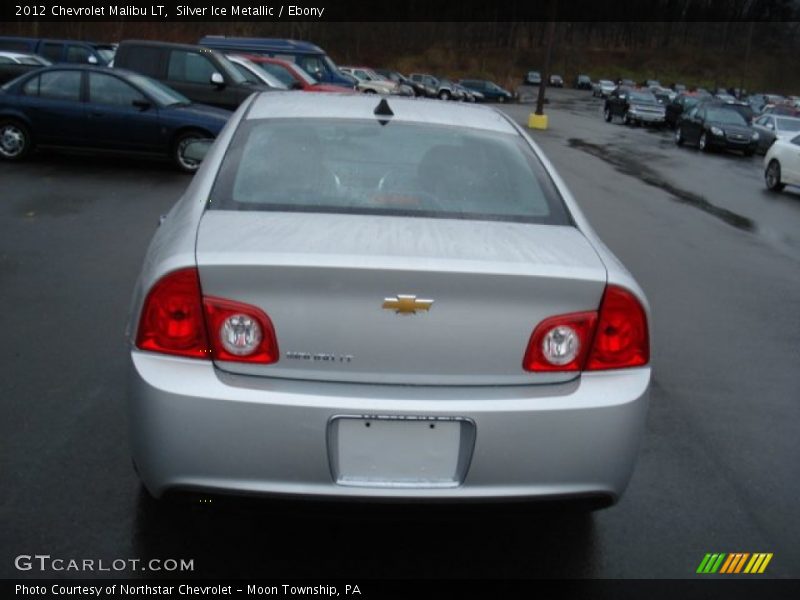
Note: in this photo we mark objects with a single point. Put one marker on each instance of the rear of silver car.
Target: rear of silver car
(357, 337)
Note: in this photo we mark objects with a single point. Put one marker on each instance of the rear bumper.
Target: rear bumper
(194, 427)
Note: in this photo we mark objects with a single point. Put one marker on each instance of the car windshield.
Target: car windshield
(263, 74)
(606, 82)
(280, 72)
(229, 68)
(494, 87)
(643, 97)
(163, 95)
(725, 115)
(304, 75)
(29, 60)
(364, 167)
(785, 124)
(106, 53)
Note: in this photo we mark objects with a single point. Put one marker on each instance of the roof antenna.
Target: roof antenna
(383, 110)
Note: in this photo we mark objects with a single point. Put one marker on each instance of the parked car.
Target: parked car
(450, 91)
(714, 124)
(400, 79)
(255, 74)
(490, 91)
(429, 83)
(293, 76)
(780, 109)
(467, 95)
(372, 83)
(309, 57)
(556, 81)
(603, 88)
(102, 109)
(678, 87)
(304, 324)
(682, 103)
(61, 51)
(629, 83)
(782, 164)
(772, 127)
(633, 106)
(532, 78)
(444, 89)
(14, 64)
(651, 83)
(204, 76)
(583, 82)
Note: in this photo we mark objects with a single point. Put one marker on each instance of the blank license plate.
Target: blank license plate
(408, 452)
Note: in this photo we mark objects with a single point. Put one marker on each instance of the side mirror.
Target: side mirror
(196, 150)
(92, 60)
(217, 79)
(142, 104)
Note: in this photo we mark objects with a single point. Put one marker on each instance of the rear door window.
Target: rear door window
(52, 51)
(60, 85)
(144, 60)
(112, 91)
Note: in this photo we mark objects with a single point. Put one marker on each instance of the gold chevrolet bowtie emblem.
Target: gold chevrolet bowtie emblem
(406, 305)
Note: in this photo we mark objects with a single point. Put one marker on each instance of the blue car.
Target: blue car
(90, 107)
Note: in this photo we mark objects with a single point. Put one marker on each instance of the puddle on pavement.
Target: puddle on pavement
(628, 164)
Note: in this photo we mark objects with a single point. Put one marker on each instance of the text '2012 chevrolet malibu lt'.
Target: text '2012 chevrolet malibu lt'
(393, 299)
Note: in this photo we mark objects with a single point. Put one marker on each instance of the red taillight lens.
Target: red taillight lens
(622, 338)
(240, 332)
(176, 319)
(560, 343)
(616, 337)
(172, 317)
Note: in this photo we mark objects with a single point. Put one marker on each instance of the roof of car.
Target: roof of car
(287, 105)
(157, 44)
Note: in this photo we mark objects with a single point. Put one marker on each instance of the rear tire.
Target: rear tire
(501, 99)
(772, 177)
(679, 136)
(16, 141)
(444, 95)
(607, 114)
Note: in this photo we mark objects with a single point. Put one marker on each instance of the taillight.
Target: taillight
(622, 339)
(560, 343)
(172, 318)
(240, 332)
(615, 337)
(177, 319)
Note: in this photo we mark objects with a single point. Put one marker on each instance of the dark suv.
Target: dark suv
(716, 125)
(202, 75)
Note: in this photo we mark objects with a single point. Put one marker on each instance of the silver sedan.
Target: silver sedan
(383, 299)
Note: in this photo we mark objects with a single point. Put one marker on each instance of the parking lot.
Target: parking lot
(717, 255)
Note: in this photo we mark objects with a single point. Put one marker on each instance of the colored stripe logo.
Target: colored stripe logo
(735, 562)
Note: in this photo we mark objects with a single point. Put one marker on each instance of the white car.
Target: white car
(782, 164)
(370, 82)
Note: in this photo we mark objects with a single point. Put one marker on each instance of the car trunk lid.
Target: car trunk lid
(332, 285)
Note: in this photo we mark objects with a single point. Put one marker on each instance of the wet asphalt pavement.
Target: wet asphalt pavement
(717, 255)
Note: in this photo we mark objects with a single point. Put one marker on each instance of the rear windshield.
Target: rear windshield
(363, 167)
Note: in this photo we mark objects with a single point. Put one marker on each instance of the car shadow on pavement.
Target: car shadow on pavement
(244, 537)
